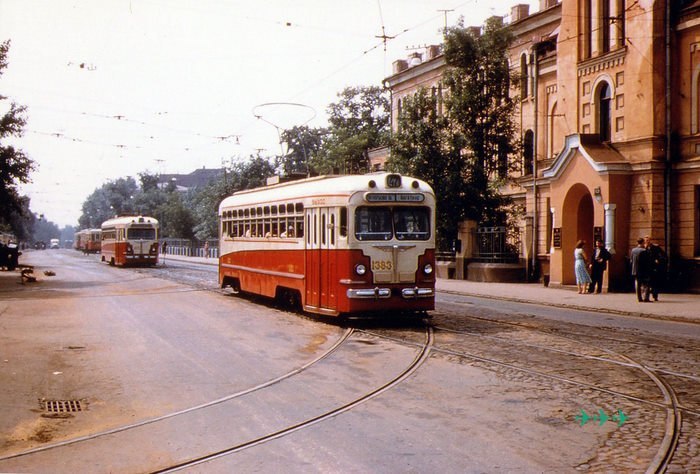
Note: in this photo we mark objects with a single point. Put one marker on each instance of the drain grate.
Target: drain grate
(61, 406)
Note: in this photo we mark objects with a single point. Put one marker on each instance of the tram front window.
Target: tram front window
(373, 223)
(141, 234)
(383, 223)
(411, 223)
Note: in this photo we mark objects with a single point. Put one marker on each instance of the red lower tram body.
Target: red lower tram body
(325, 281)
(130, 253)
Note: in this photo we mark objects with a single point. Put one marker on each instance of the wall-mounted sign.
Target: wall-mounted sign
(556, 237)
(597, 234)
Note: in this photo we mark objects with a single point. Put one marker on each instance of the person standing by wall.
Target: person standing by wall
(640, 270)
(598, 265)
(583, 279)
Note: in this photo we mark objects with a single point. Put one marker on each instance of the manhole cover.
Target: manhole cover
(61, 406)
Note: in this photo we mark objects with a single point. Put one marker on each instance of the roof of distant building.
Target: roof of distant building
(197, 178)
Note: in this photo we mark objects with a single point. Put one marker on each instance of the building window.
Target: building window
(619, 22)
(523, 77)
(528, 152)
(586, 30)
(604, 122)
(695, 101)
(605, 22)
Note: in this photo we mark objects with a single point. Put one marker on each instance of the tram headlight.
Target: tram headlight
(360, 269)
(428, 269)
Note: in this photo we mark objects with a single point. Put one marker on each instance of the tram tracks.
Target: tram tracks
(343, 339)
(674, 410)
(420, 357)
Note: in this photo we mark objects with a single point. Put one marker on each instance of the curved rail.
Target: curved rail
(672, 430)
(418, 361)
(345, 336)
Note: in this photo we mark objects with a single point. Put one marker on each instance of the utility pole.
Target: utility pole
(444, 30)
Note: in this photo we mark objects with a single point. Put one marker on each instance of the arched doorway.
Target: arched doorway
(577, 223)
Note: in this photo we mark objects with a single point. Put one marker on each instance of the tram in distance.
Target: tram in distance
(88, 240)
(130, 240)
(333, 245)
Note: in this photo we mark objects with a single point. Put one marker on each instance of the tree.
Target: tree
(481, 110)
(176, 220)
(463, 150)
(303, 143)
(45, 230)
(15, 166)
(359, 121)
(111, 199)
(426, 146)
(242, 175)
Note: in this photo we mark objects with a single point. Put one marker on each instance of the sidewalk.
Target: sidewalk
(671, 306)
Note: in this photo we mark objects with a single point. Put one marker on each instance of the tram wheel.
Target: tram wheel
(289, 298)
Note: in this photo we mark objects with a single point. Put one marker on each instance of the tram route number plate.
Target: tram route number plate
(394, 197)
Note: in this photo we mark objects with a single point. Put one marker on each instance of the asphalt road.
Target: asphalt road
(170, 371)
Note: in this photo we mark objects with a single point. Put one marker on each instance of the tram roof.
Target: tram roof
(125, 220)
(322, 186)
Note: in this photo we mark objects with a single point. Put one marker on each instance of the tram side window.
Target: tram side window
(412, 223)
(373, 223)
(343, 221)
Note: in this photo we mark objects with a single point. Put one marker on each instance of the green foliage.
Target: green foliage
(425, 146)
(176, 219)
(359, 121)
(461, 147)
(15, 166)
(111, 199)
(20, 223)
(303, 143)
(45, 230)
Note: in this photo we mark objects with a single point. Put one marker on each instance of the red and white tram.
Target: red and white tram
(336, 245)
(88, 240)
(130, 240)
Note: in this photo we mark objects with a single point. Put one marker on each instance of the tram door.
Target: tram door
(321, 264)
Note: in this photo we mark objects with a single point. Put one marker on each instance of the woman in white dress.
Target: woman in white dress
(583, 279)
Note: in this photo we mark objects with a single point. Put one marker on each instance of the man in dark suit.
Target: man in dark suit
(657, 260)
(599, 263)
(641, 270)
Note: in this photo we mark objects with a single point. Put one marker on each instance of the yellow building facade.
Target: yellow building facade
(609, 116)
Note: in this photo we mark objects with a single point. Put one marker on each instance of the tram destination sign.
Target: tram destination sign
(394, 197)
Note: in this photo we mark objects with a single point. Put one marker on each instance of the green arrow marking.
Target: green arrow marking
(620, 418)
(602, 417)
(582, 418)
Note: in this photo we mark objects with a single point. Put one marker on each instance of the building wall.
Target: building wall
(586, 181)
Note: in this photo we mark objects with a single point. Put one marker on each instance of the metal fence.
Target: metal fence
(191, 248)
(495, 245)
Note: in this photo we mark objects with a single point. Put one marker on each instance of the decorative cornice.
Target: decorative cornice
(600, 63)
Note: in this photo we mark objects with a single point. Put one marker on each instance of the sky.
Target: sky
(114, 88)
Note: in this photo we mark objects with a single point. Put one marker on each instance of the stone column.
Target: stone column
(610, 227)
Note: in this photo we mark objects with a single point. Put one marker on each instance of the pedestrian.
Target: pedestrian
(640, 270)
(598, 265)
(583, 279)
(206, 249)
(165, 247)
(657, 262)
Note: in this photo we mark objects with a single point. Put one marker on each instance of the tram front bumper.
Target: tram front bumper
(378, 293)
